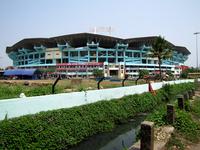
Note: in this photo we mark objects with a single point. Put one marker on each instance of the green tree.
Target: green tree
(161, 49)
(97, 73)
(141, 75)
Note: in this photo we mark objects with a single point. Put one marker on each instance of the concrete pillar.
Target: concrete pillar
(180, 102)
(193, 91)
(190, 94)
(170, 114)
(147, 135)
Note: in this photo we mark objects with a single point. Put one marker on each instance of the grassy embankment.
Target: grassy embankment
(64, 128)
(187, 124)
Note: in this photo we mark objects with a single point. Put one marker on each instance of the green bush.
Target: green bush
(158, 116)
(195, 108)
(64, 128)
(185, 124)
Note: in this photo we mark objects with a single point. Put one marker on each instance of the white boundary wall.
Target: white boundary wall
(30, 105)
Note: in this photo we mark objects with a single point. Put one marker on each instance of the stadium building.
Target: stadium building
(79, 54)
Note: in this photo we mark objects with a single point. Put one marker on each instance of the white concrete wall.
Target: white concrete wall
(30, 105)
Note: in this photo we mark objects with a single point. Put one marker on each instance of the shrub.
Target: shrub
(64, 128)
(185, 124)
(195, 108)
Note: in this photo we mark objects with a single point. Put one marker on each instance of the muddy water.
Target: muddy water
(123, 136)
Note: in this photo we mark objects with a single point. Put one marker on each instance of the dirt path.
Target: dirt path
(193, 147)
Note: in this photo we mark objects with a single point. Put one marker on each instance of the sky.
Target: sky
(176, 20)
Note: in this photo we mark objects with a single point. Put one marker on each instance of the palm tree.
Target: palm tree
(161, 49)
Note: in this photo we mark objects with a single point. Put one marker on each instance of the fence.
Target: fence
(30, 105)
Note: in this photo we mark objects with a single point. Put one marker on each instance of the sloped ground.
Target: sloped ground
(178, 142)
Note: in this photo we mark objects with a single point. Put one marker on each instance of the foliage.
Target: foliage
(185, 124)
(7, 91)
(173, 141)
(142, 74)
(185, 73)
(158, 116)
(195, 108)
(64, 128)
(46, 70)
(161, 49)
(170, 75)
(168, 92)
(97, 73)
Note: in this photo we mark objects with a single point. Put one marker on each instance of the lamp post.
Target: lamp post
(196, 33)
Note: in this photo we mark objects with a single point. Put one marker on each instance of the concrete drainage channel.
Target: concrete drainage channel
(122, 137)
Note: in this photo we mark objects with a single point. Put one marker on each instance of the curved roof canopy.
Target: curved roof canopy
(81, 40)
(17, 72)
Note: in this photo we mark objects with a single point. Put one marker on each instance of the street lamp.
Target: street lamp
(196, 33)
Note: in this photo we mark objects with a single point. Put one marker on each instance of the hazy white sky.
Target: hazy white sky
(176, 20)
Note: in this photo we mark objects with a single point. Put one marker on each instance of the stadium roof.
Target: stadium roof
(81, 39)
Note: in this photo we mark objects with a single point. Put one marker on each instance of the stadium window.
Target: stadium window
(92, 53)
(74, 54)
(144, 61)
(36, 55)
(144, 55)
(111, 60)
(42, 61)
(120, 53)
(137, 54)
(129, 54)
(102, 59)
(120, 60)
(102, 53)
(49, 61)
(65, 53)
(111, 53)
(31, 56)
(42, 55)
(83, 53)
(93, 59)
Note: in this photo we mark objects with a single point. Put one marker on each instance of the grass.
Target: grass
(187, 124)
(13, 88)
(195, 108)
(175, 142)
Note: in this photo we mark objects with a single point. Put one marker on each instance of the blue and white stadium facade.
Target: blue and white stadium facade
(79, 54)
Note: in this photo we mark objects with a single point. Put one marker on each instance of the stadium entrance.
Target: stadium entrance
(114, 73)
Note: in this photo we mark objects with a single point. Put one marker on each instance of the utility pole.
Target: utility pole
(196, 33)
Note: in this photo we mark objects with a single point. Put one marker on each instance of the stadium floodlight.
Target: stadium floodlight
(196, 33)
